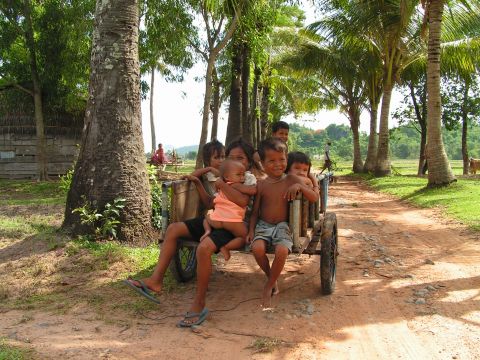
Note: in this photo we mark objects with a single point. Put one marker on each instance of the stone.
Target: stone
(429, 262)
(421, 293)
(431, 288)
(378, 263)
(420, 301)
(310, 309)
(410, 301)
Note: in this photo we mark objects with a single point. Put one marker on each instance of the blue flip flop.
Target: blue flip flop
(201, 318)
(142, 290)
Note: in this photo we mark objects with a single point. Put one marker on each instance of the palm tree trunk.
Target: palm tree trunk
(234, 127)
(264, 110)
(41, 157)
(465, 158)
(354, 116)
(214, 50)
(421, 115)
(254, 105)
(206, 104)
(215, 105)
(439, 171)
(246, 126)
(372, 140)
(382, 166)
(152, 122)
(111, 162)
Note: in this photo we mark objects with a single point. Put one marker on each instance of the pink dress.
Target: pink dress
(226, 210)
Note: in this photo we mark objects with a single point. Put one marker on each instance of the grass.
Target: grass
(265, 344)
(459, 200)
(9, 352)
(29, 192)
(56, 271)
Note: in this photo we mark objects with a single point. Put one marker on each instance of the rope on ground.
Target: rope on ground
(158, 319)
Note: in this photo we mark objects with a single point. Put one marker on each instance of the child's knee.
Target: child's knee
(281, 250)
(258, 247)
(206, 248)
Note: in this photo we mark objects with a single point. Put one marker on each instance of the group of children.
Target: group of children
(244, 209)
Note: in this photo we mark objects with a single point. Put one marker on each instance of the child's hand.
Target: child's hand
(292, 192)
(249, 237)
(214, 171)
(190, 178)
(219, 183)
(308, 182)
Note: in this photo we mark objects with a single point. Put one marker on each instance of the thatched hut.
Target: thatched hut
(18, 143)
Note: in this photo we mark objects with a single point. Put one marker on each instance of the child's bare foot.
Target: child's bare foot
(275, 290)
(225, 252)
(267, 297)
(205, 235)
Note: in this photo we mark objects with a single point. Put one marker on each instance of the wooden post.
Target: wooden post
(295, 224)
(304, 216)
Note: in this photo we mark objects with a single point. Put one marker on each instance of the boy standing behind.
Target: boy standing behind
(268, 222)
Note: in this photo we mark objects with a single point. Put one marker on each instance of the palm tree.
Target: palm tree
(111, 162)
(439, 172)
(460, 50)
(338, 78)
(388, 30)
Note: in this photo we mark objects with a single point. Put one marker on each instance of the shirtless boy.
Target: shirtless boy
(268, 222)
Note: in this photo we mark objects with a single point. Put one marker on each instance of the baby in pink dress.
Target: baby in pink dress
(228, 214)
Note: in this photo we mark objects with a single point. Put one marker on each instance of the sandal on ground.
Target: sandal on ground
(189, 315)
(142, 289)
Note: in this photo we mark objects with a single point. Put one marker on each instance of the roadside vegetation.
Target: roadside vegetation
(458, 201)
(42, 267)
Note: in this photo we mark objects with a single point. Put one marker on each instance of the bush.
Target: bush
(156, 194)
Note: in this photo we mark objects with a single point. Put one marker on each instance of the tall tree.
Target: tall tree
(43, 52)
(234, 126)
(439, 170)
(111, 163)
(164, 44)
(214, 14)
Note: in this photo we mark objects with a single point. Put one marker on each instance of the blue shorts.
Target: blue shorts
(274, 234)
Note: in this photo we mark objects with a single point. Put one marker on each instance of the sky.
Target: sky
(178, 109)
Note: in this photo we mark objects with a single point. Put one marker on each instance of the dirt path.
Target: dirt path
(391, 256)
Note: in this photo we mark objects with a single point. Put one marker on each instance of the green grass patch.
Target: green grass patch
(20, 226)
(9, 352)
(113, 251)
(459, 200)
(28, 192)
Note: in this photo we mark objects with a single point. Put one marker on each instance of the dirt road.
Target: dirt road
(408, 286)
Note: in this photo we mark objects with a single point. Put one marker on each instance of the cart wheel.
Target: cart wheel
(329, 252)
(184, 263)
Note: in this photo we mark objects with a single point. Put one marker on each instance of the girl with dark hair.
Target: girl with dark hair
(298, 163)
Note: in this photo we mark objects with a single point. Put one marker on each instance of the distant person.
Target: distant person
(425, 164)
(159, 158)
(327, 164)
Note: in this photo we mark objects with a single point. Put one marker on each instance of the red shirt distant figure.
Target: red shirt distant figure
(159, 157)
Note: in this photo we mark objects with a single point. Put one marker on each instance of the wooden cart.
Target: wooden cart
(314, 229)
